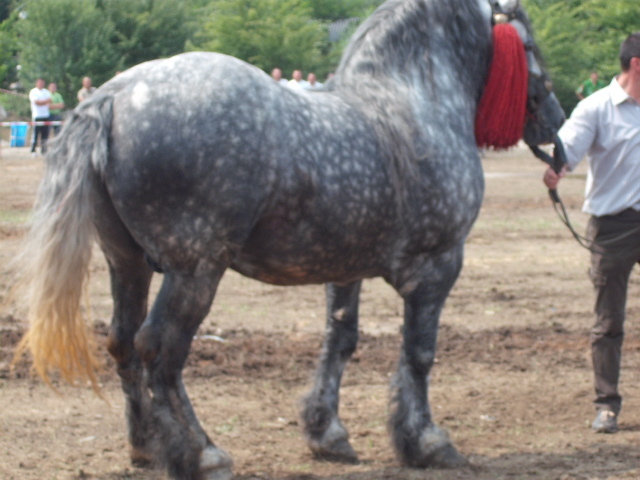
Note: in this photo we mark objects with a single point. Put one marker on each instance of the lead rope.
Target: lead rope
(557, 162)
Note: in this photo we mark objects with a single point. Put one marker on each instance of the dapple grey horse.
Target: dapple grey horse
(199, 163)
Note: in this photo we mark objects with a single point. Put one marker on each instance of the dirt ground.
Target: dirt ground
(512, 383)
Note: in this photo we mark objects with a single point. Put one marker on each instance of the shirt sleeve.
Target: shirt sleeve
(579, 132)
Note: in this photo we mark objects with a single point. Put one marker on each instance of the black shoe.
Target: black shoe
(605, 422)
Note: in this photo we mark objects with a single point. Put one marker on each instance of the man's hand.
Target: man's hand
(551, 178)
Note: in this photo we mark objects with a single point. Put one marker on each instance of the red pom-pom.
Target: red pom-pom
(501, 112)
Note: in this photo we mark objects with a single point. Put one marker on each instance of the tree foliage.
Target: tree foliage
(266, 33)
(338, 9)
(9, 49)
(577, 37)
(145, 30)
(64, 40)
(289, 34)
(6, 7)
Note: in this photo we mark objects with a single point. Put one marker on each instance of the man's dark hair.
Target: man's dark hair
(630, 48)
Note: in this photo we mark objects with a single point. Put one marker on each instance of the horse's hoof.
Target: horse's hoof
(332, 444)
(446, 457)
(215, 464)
(140, 458)
(437, 450)
(339, 451)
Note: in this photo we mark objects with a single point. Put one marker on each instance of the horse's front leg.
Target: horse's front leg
(326, 436)
(418, 441)
(163, 343)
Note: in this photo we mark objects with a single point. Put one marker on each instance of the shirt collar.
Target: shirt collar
(618, 95)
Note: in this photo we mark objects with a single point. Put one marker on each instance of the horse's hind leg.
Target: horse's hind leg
(418, 441)
(129, 286)
(163, 343)
(326, 436)
(130, 278)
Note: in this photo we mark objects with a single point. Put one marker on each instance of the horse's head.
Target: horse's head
(544, 113)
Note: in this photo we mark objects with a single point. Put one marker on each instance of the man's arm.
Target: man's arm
(41, 102)
(577, 135)
(57, 106)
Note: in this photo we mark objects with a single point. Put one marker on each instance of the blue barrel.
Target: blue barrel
(19, 134)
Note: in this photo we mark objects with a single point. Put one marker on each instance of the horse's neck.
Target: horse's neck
(416, 42)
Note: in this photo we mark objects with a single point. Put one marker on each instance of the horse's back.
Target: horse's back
(186, 98)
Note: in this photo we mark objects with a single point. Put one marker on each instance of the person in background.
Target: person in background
(605, 128)
(86, 90)
(276, 74)
(296, 81)
(56, 107)
(312, 82)
(40, 99)
(590, 85)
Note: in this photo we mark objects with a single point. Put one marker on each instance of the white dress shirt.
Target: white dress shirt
(605, 127)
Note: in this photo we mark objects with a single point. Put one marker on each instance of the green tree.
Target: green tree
(6, 7)
(64, 40)
(147, 29)
(332, 12)
(265, 33)
(8, 50)
(339, 9)
(578, 36)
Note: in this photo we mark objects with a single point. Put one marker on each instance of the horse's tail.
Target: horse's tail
(54, 263)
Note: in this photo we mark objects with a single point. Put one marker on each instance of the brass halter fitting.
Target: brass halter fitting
(503, 10)
(500, 18)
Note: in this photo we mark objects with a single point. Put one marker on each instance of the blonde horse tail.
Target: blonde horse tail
(54, 263)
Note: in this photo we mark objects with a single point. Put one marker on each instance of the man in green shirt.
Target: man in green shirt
(56, 107)
(589, 86)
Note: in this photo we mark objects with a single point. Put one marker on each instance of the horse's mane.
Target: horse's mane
(402, 35)
(392, 60)
(524, 20)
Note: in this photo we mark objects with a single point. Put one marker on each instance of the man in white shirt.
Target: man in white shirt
(296, 81)
(605, 127)
(40, 99)
(312, 82)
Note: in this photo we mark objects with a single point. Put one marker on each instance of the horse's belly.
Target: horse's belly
(298, 268)
(305, 255)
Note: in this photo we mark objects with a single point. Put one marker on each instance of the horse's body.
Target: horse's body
(200, 163)
(282, 185)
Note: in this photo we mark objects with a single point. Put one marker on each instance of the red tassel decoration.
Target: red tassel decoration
(501, 112)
